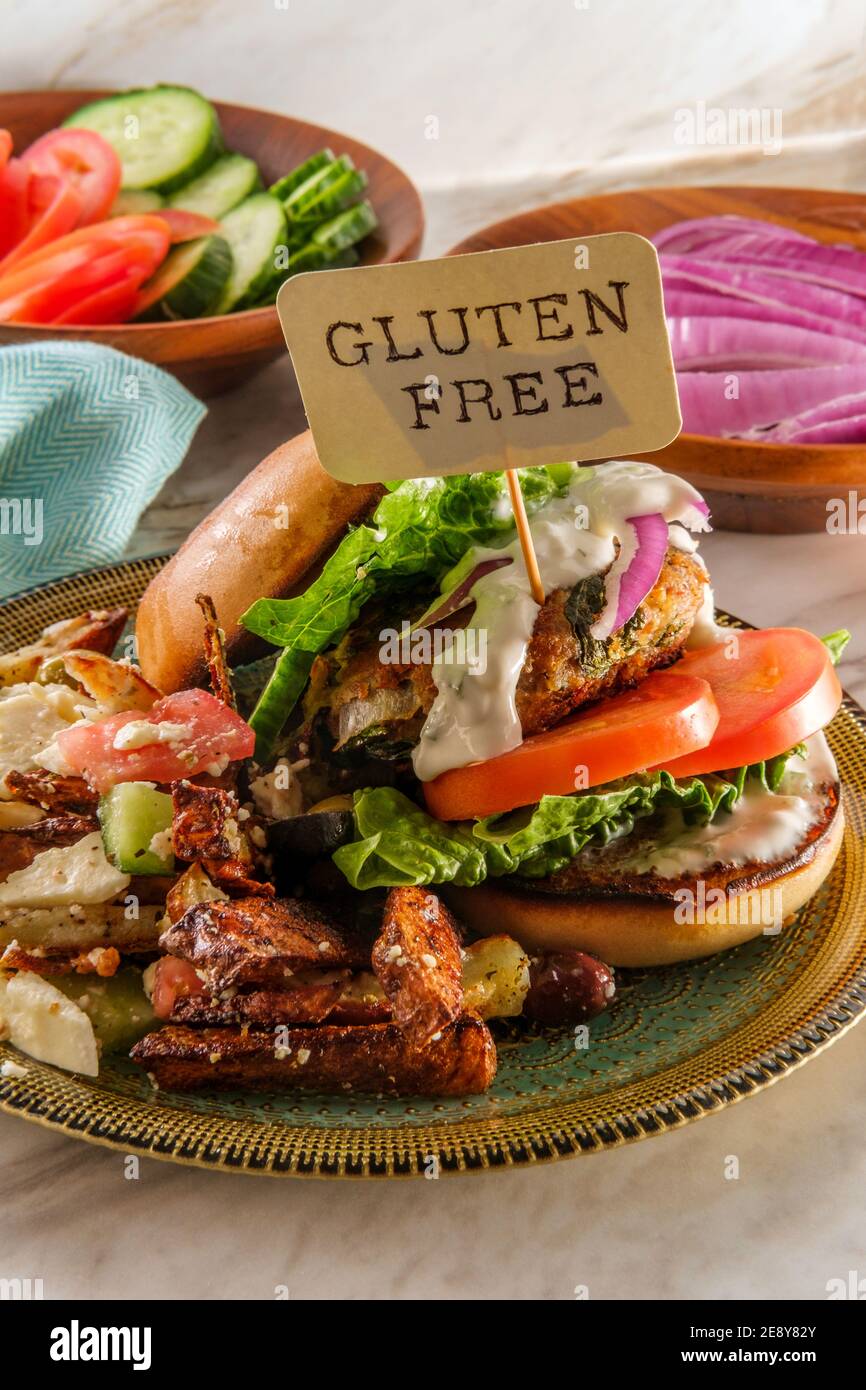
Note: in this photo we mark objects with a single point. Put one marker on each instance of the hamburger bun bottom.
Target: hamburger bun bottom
(634, 930)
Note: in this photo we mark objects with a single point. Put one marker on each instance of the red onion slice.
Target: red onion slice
(748, 345)
(712, 405)
(458, 597)
(633, 573)
(699, 232)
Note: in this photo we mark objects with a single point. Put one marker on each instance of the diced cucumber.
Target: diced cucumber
(229, 180)
(256, 231)
(118, 1007)
(338, 196)
(289, 182)
(135, 200)
(130, 815)
(164, 136)
(189, 282)
(346, 229)
(298, 203)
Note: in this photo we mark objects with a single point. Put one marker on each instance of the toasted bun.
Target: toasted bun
(266, 540)
(638, 930)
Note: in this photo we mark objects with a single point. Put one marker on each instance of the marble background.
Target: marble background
(533, 103)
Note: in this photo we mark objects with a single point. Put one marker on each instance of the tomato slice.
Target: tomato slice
(612, 739)
(198, 733)
(84, 162)
(5, 147)
(53, 207)
(173, 979)
(144, 237)
(112, 304)
(774, 688)
(14, 210)
(186, 226)
(47, 299)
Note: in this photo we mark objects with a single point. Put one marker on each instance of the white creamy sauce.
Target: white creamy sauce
(763, 827)
(474, 715)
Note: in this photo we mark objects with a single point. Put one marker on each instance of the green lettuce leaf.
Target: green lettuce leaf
(420, 530)
(397, 843)
(836, 642)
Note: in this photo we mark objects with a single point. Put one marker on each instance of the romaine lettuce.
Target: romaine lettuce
(420, 530)
(398, 843)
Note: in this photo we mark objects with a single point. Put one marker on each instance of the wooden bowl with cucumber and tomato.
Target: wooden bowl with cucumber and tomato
(765, 292)
(162, 224)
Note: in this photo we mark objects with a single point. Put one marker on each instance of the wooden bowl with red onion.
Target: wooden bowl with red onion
(765, 290)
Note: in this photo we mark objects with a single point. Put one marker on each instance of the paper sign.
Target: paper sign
(498, 359)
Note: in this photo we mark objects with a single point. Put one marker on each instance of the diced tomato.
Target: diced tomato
(14, 212)
(774, 688)
(5, 147)
(84, 162)
(173, 979)
(612, 739)
(198, 733)
(186, 226)
(112, 304)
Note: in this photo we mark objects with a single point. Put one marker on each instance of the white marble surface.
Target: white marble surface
(534, 103)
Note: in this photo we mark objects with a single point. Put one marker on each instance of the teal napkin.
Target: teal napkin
(88, 436)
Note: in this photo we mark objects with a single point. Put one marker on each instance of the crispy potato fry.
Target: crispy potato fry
(61, 930)
(215, 652)
(95, 631)
(192, 887)
(262, 942)
(377, 1059)
(103, 961)
(114, 685)
(54, 793)
(417, 962)
(204, 824)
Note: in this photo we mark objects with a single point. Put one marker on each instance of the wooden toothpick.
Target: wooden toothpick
(523, 531)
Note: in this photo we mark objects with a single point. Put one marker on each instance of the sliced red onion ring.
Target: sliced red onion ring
(705, 231)
(765, 285)
(711, 303)
(830, 417)
(748, 345)
(458, 597)
(633, 573)
(712, 404)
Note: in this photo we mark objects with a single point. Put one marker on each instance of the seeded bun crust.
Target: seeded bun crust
(632, 923)
(266, 540)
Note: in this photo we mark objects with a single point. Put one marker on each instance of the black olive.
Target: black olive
(311, 836)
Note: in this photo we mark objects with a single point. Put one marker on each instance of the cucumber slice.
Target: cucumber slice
(289, 182)
(189, 282)
(229, 180)
(117, 1007)
(130, 815)
(135, 200)
(341, 194)
(164, 136)
(299, 202)
(346, 229)
(255, 230)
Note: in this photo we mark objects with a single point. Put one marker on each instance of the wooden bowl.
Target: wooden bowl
(777, 488)
(211, 354)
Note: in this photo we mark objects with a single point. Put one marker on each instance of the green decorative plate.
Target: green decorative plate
(679, 1043)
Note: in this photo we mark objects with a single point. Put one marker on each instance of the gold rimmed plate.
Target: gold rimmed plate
(679, 1043)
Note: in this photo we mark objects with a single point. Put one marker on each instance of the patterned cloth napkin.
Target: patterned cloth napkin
(88, 436)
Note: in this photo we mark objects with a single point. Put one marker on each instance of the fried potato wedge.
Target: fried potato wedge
(60, 930)
(95, 631)
(54, 793)
(262, 942)
(417, 962)
(377, 1059)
